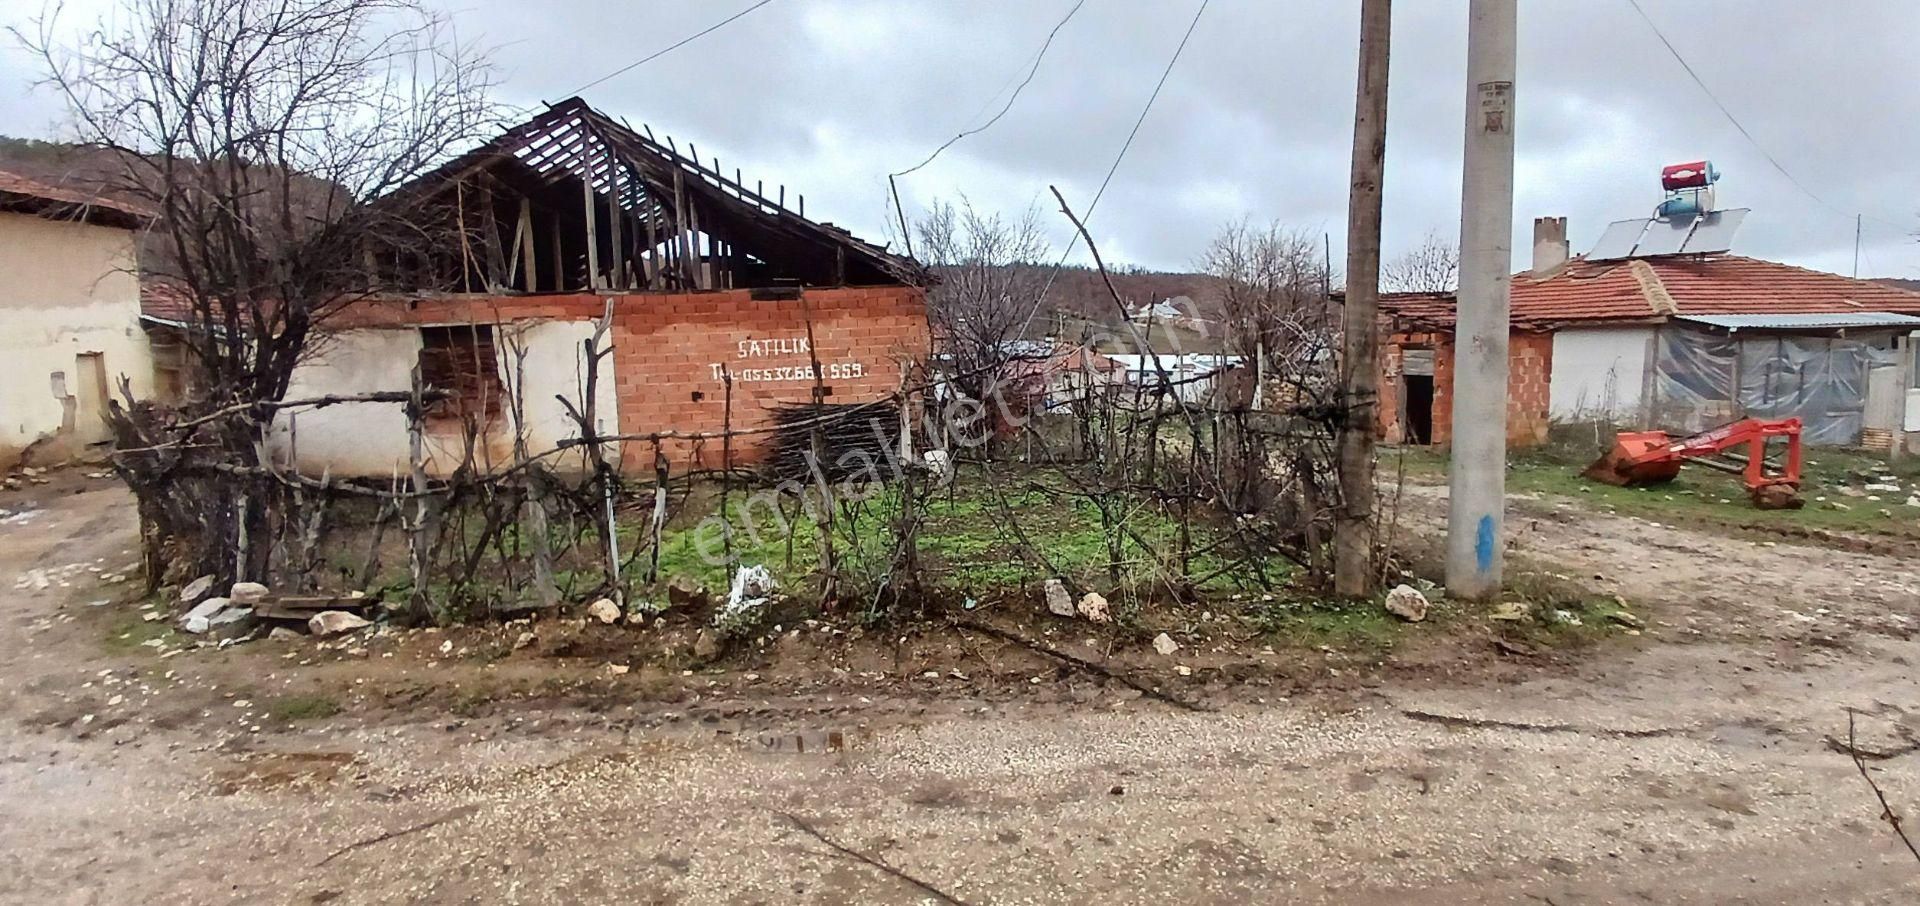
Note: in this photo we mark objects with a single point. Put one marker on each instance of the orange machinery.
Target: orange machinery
(1641, 458)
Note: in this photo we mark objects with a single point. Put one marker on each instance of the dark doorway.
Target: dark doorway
(1419, 397)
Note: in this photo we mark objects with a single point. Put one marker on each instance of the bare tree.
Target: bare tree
(988, 291)
(256, 131)
(1431, 267)
(1273, 291)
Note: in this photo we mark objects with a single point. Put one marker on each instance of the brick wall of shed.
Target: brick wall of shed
(666, 348)
(665, 353)
(1529, 376)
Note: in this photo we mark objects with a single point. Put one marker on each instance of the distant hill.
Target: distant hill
(57, 163)
(1901, 282)
(1080, 292)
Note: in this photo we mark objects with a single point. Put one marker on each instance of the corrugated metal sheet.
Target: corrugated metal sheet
(1806, 321)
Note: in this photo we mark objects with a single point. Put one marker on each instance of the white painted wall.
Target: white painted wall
(1598, 372)
(357, 439)
(66, 289)
(556, 366)
(370, 439)
(1910, 380)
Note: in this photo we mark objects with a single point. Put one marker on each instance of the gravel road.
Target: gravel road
(1693, 765)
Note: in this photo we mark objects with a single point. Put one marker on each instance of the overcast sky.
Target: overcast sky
(828, 96)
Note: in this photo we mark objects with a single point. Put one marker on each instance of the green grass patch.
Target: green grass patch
(1561, 611)
(1358, 625)
(303, 706)
(129, 634)
(971, 542)
(1704, 497)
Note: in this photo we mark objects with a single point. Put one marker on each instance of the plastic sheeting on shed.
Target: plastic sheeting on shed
(1821, 380)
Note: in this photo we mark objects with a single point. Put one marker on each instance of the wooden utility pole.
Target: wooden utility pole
(1477, 471)
(1353, 534)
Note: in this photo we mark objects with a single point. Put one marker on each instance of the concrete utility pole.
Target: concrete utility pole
(1353, 532)
(1477, 478)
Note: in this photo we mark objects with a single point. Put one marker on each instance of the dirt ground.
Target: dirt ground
(1694, 763)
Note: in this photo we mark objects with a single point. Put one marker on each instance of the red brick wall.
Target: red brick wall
(1530, 367)
(665, 352)
(666, 347)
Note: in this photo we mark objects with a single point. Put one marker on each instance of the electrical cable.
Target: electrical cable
(1087, 215)
(1031, 71)
(1741, 127)
(670, 48)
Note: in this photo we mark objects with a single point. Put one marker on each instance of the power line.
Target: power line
(1738, 125)
(1164, 73)
(1031, 70)
(671, 47)
(1087, 216)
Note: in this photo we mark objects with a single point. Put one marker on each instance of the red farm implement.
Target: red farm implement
(1642, 458)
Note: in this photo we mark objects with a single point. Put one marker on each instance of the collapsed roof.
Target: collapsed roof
(572, 200)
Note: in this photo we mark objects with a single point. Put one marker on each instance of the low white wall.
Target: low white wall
(370, 439)
(357, 439)
(1598, 372)
(66, 289)
(556, 366)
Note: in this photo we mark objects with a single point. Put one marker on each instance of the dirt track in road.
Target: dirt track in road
(1691, 768)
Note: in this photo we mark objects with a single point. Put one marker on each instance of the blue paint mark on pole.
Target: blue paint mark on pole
(1483, 544)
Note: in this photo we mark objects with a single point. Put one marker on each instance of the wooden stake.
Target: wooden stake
(525, 233)
(593, 237)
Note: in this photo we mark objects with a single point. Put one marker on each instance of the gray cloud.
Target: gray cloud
(828, 96)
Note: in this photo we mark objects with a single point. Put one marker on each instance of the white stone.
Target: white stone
(605, 611)
(200, 617)
(196, 590)
(334, 622)
(248, 593)
(1094, 607)
(1407, 603)
(1059, 603)
(525, 639)
(1165, 644)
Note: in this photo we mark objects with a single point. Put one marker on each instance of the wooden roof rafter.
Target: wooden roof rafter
(637, 172)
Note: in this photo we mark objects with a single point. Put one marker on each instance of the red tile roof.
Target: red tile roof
(165, 300)
(28, 196)
(1652, 289)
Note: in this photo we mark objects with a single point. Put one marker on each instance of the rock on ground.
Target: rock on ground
(248, 593)
(196, 590)
(1094, 607)
(1165, 644)
(198, 619)
(684, 592)
(335, 622)
(1407, 603)
(1059, 603)
(605, 611)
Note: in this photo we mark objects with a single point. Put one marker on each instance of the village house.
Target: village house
(720, 298)
(72, 303)
(1681, 342)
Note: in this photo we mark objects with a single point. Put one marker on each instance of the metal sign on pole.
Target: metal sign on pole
(1477, 474)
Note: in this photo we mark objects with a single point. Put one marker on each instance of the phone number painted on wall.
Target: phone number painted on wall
(833, 371)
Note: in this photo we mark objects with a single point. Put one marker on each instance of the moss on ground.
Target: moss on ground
(1708, 499)
(303, 706)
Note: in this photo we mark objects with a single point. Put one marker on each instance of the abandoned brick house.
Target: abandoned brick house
(71, 300)
(572, 217)
(1678, 342)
